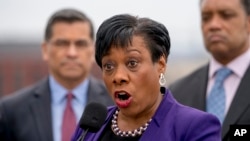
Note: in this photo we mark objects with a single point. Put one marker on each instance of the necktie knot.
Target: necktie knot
(69, 97)
(222, 74)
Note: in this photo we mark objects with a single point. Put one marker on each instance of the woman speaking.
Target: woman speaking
(132, 53)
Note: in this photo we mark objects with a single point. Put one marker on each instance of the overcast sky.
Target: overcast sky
(26, 19)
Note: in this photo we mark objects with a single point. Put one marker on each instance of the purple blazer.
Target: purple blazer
(171, 122)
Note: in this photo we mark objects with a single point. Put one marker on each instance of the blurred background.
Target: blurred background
(22, 25)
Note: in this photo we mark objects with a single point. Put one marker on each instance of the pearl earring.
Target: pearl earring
(162, 80)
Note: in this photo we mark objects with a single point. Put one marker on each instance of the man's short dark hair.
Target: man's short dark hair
(245, 4)
(68, 16)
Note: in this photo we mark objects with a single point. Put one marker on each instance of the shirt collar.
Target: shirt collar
(243, 61)
(81, 91)
(58, 92)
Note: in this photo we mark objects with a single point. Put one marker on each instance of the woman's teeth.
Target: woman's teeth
(123, 96)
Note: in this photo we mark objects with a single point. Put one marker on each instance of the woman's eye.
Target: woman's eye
(132, 64)
(108, 66)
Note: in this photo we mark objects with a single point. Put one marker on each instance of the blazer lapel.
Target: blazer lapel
(162, 121)
(197, 87)
(239, 103)
(41, 110)
(202, 90)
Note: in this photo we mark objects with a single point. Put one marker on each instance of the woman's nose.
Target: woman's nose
(120, 76)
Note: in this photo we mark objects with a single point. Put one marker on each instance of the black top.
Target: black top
(109, 135)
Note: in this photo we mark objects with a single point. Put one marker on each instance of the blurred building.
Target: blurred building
(21, 65)
(23, 23)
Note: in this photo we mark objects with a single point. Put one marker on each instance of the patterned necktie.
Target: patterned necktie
(216, 99)
(69, 119)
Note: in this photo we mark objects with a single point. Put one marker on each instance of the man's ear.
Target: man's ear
(248, 24)
(93, 53)
(44, 48)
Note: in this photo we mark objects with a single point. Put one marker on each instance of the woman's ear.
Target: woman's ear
(162, 63)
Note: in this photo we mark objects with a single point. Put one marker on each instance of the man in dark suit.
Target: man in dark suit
(225, 27)
(44, 111)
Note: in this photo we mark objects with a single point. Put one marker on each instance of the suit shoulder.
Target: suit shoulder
(97, 82)
(189, 78)
(97, 91)
(97, 86)
(22, 95)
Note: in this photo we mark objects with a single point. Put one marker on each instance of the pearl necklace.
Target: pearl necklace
(134, 133)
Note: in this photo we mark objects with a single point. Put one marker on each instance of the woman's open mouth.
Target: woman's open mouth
(122, 99)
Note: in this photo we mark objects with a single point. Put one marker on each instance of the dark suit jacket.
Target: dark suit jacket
(191, 91)
(26, 115)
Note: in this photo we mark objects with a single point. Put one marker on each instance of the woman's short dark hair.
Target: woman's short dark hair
(120, 29)
(68, 16)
